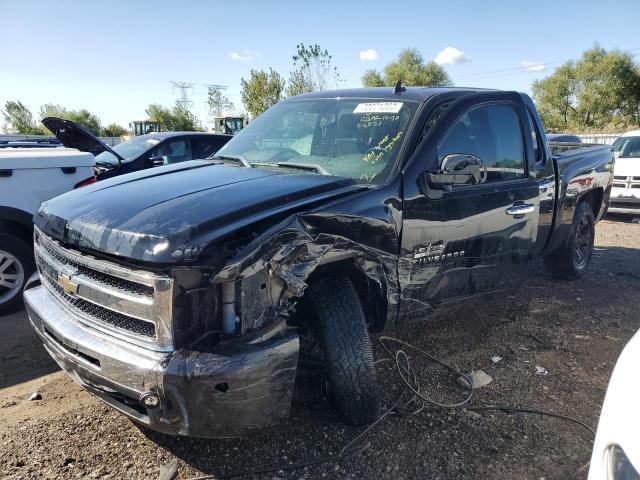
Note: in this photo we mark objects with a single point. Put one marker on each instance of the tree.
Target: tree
(85, 119)
(52, 110)
(173, 119)
(261, 90)
(411, 68)
(82, 117)
(218, 101)
(372, 78)
(313, 70)
(114, 130)
(19, 118)
(600, 91)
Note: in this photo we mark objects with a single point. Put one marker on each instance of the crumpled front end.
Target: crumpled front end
(113, 329)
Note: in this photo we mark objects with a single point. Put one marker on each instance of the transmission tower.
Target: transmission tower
(183, 89)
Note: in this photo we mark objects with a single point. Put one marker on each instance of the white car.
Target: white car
(625, 194)
(28, 177)
(616, 450)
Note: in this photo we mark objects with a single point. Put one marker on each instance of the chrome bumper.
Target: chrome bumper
(235, 386)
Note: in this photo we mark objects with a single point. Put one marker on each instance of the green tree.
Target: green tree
(82, 117)
(218, 101)
(86, 119)
(261, 90)
(53, 110)
(18, 118)
(600, 91)
(114, 130)
(411, 68)
(173, 119)
(313, 70)
(372, 78)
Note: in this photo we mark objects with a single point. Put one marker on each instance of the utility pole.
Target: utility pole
(183, 89)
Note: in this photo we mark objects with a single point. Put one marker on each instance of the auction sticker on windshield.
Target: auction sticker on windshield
(378, 107)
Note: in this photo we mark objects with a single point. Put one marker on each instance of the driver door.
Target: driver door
(464, 240)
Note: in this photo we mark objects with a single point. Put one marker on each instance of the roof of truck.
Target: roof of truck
(415, 94)
(632, 133)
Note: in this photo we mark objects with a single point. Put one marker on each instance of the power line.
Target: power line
(520, 69)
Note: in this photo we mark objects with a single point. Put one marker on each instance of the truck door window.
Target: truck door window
(175, 151)
(537, 141)
(492, 133)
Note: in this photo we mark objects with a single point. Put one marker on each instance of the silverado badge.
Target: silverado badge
(69, 287)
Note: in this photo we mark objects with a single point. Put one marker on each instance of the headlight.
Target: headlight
(618, 465)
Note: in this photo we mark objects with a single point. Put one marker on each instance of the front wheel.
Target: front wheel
(16, 266)
(341, 330)
(571, 260)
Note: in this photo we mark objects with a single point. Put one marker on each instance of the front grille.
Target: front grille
(132, 304)
(620, 178)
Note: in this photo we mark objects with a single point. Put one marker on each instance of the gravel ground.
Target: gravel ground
(575, 331)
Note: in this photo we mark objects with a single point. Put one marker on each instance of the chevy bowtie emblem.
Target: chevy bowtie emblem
(69, 287)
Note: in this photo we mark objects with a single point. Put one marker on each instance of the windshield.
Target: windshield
(128, 150)
(356, 138)
(627, 146)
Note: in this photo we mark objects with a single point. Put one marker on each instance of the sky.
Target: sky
(115, 58)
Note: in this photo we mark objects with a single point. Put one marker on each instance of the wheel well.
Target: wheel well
(372, 297)
(16, 229)
(594, 199)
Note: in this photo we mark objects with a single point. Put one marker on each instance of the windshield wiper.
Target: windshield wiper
(234, 158)
(301, 166)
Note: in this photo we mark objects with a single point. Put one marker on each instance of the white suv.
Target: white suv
(28, 177)
(625, 195)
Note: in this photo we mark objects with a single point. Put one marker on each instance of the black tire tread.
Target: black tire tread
(559, 263)
(341, 329)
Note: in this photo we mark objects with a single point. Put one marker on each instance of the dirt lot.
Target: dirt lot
(573, 330)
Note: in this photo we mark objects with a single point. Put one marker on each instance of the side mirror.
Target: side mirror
(459, 169)
(155, 161)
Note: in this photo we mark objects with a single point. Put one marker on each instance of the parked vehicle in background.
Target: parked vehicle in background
(616, 449)
(31, 143)
(139, 153)
(28, 177)
(142, 127)
(563, 138)
(625, 195)
(228, 125)
(178, 299)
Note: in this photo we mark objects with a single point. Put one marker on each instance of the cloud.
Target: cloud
(369, 55)
(451, 56)
(532, 66)
(244, 56)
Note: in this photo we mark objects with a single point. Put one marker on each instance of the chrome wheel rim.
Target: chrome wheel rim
(11, 276)
(582, 245)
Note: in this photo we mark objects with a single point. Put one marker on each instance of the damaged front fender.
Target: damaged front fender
(287, 254)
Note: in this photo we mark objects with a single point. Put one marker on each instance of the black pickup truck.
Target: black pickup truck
(178, 294)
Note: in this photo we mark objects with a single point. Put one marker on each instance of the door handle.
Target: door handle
(544, 186)
(518, 210)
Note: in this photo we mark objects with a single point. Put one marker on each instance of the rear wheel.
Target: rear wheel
(572, 259)
(341, 330)
(16, 266)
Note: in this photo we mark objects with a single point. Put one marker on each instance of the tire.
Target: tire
(16, 266)
(571, 260)
(341, 330)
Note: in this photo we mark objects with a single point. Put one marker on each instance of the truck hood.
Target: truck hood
(72, 135)
(627, 167)
(170, 215)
